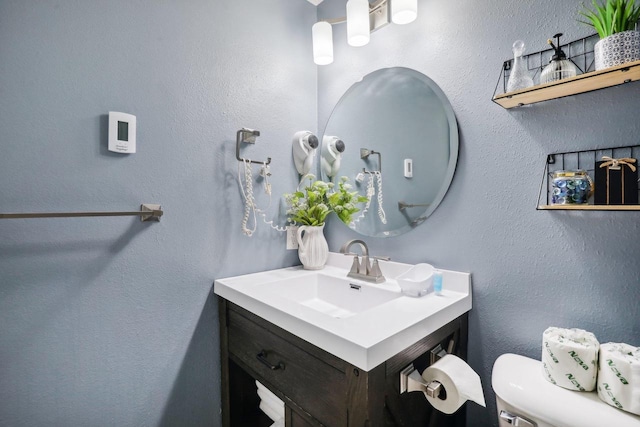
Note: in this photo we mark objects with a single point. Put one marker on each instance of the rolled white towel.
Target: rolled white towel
(271, 399)
(270, 404)
(266, 394)
(570, 358)
(273, 413)
(619, 376)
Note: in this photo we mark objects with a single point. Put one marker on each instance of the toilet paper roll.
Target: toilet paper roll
(570, 358)
(460, 382)
(619, 376)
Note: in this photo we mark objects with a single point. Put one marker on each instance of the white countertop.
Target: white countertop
(366, 339)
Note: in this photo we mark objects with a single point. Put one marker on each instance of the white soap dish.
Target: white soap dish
(417, 281)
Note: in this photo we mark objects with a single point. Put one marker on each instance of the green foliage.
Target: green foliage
(613, 16)
(317, 201)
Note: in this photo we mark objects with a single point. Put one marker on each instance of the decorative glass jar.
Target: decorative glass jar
(571, 187)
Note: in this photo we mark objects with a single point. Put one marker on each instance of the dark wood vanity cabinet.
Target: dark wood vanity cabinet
(320, 389)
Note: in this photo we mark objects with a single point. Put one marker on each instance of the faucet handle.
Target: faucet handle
(355, 267)
(381, 258)
(375, 271)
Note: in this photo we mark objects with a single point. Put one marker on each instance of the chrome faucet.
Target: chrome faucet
(363, 270)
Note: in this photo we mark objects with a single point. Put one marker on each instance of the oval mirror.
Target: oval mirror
(400, 135)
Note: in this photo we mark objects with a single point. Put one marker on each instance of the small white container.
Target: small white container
(417, 281)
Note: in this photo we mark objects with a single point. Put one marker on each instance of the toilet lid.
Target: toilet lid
(519, 381)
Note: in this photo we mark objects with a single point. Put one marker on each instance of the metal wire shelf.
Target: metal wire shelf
(581, 53)
(585, 160)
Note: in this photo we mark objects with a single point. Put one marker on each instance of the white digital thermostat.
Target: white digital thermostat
(122, 132)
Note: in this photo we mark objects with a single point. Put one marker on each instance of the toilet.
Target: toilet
(526, 399)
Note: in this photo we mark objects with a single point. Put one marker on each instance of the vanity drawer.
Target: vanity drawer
(317, 387)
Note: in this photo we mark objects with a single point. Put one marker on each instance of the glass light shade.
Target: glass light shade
(358, 22)
(404, 11)
(322, 35)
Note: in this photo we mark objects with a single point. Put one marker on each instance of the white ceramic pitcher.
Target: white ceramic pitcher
(313, 249)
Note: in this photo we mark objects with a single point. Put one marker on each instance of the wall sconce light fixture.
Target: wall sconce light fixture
(362, 19)
(358, 22)
(322, 35)
(404, 11)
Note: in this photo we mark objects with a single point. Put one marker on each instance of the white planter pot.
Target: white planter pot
(617, 49)
(313, 249)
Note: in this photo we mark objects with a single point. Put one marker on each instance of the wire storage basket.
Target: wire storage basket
(623, 159)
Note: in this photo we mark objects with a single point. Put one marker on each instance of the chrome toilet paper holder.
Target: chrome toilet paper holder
(438, 352)
(435, 388)
(411, 380)
(448, 383)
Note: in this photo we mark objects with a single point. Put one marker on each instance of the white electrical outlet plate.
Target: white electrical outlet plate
(292, 237)
(408, 168)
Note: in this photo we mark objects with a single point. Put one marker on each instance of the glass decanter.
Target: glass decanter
(519, 77)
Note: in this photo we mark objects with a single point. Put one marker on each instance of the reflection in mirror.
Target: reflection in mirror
(400, 115)
(332, 149)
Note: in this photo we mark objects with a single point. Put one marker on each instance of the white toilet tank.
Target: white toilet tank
(526, 399)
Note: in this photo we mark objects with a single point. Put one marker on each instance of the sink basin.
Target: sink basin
(333, 296)
(360, 322)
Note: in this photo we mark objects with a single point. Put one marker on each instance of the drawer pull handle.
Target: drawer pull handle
(262, 357)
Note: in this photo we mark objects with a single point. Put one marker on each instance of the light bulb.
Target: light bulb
(404, 11)
(358, 22)
(322, 35)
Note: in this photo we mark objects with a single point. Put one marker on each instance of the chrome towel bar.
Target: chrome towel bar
(147, 212)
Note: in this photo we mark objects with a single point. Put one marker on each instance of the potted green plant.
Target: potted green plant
(309, 209)
(615, 21)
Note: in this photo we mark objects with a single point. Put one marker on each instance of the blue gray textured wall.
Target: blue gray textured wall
(108, 321)
(530, 269)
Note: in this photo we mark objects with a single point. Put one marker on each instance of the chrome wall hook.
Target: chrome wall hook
(365, 153)
(248, 136)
